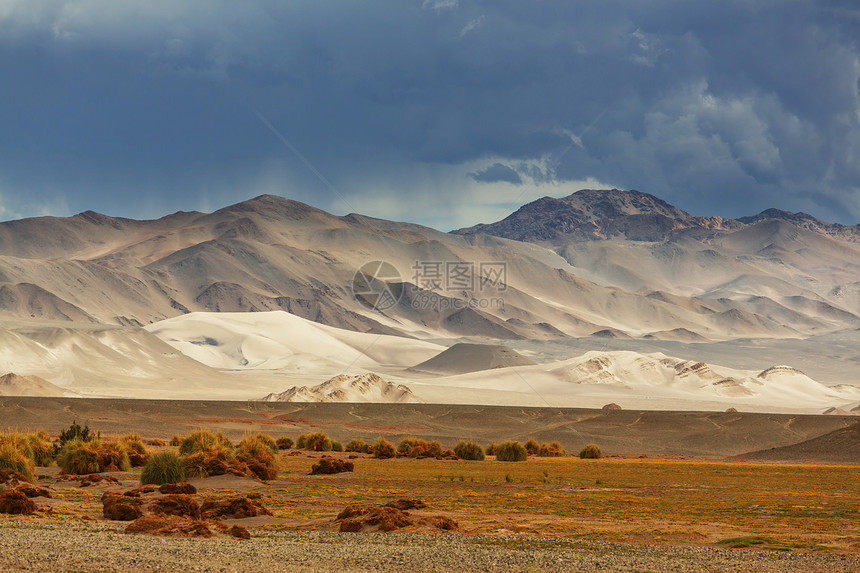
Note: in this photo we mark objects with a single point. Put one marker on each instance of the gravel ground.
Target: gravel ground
(100, 547)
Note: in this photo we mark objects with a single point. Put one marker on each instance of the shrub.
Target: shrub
(94, 456)
(155, 442)
(137, 453)
(200, 440)
(284, 443)
(175, 441)
(336, 446)
(41, 448)
(469, 451)
(511, 452)
(532, 447)
(553, 450)
(491, 449)
(591, 451)
(11, 458)
(252, 441)
(357, 446)
(259, 456)
(211, 461)
(383, 449)
(316, 441)
(75, 432)
(163, 467)
(415, 448)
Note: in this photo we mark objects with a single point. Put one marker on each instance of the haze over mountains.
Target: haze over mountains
(620, 265)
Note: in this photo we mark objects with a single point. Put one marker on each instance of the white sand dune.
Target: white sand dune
(343, 388)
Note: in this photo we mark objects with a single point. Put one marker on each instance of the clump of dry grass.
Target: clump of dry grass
(511, 452)
(552, 450)
(202, 439)
(259, 453)
(491, 450)
(532, 447)
(94, 456)
(469, 451)
(42, 448)
(211, 461)
(175, 441)
(591, 451)
(383, 449)
(137, 452)
(258, 439)
(12, 458)
(155, 442)
(357, 446)
(284, 443)
(316, 441)
(412, 447)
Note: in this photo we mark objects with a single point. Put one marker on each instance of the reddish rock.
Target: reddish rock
(239, 532)
(32, 490)
(350, 526)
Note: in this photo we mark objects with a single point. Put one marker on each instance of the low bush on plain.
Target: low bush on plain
(357, 446)
(491, 450)
(469, 451)
(414, 448)
(336, 446)
(94, 456)
(511, 452)
(383, 449)
(138, 455)
(284, 443)
(260, 457)
(316, 441)
(590, 452)
(163, 467)
(200, 440)
(552, 450)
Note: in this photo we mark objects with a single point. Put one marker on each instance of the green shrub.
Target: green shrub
(469, 451)
(11, 458)
(200, 440)
(383, 449)
(75, 432)
(163, 467)
(532, 447)
(591, 451)
(94, 456)
(553, 450)
(336, 446)
(316, 441)
(511, 452)
(284, 443)
(491, 449)
(357, 446)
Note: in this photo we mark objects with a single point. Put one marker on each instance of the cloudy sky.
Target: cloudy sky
(444, 112)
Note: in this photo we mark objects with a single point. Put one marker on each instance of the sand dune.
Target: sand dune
(343, 388)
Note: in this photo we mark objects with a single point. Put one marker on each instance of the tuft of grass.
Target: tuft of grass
(336, 446)
(511, 452)
(259, 456)
(163, 467)
(491, 450)
(590, 452)
(175, 441)
(11, 458)
(201, 439)
(469, 451)
(94, 456)
(357, 446)
(253, 441)
(138, 455)
(383, 449)
(214, 460)
(316, 441)
(414, 448)
(284, 443)
(42, 448)
(532, 447)
(553, 450)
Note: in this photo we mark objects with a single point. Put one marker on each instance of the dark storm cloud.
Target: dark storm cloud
(497, 172)
(140, 108)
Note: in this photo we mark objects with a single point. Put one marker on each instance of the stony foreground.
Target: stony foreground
(104, 547)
